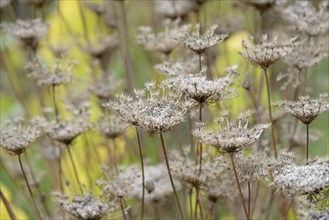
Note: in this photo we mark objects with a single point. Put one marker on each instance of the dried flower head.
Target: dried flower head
(105, 86)
(295, 180)
(189, 66)
(253, 167)
(111, 126)
(103, 46)
(200, 89)
(308, 54)
(235, 136)
(157, 184)
(61, 73)
(163, 42)
(186, 170)
(17, 134)
(198, 42)
(174, 9)
(66, 132)
(86, 207)
(150, 110)
(29, 32)
(267, 52)
(306, 18)
(305, 109)
(119, 185)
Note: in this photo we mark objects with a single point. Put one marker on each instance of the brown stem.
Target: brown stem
(8, 206)
(170, 177)
(143, 174)
(74, 169)
(157, 211)
(239, 186)
(113, 155)
(54, 102)
(29, 188)
(269, 205)
(307, 142)
(200, 65)
(249, 198)
(255, 200)
(126, 53)
(270, 113)
(122, 209)
(40, 194)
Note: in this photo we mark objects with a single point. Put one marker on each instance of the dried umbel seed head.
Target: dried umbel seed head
(61, 73)
(150, 110)
(306, 18)
(253, 167)
(305, 109)
(221, 187)
(308, 54)
(295, 180)
(185, 67)
(119, 185)
(186, 170)
(157, 184)
(235, 136)
(163, 42)
(174, 9)
(105, 86)
(29, 32)
(198, 42)
(267, 52)
(86, 207)
(200, 89)
(17, 134)
(103, 46)
(66, 132)
(111, 126)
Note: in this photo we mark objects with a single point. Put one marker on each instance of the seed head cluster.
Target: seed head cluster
(17, 134)
(234, 136)
(267, 52)
(305, 109)
(198, 42)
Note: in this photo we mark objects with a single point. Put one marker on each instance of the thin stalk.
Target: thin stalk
(8, 206)
(307, 142)
(60, 171)
(239, 186)
(143, 174)
(157, 211)
(113, 155)
(54, 102)
(170, 177)
(126, 53)
(122, 209)
(249, 198)
(74, 169)
(29, 188)
(41, 196)
(270, 113)
(200, 65)
(255, 200)
(269, 205)
(212, 210)
(200, 146)
(190, 201)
